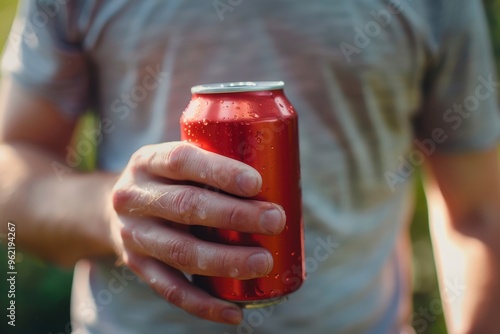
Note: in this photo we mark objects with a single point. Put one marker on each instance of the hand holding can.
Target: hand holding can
(253, 122)
(165, 189)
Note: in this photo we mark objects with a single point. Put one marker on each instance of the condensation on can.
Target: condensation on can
(253, 122)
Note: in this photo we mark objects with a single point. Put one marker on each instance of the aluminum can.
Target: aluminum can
(253, 122)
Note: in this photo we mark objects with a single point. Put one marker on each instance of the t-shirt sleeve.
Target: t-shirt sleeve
(44, 56)
(460, 89)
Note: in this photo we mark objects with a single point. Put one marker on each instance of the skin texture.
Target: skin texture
(141, 215)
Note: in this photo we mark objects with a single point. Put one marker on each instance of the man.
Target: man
(379, 87)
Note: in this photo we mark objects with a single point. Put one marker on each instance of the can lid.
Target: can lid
(237, 87)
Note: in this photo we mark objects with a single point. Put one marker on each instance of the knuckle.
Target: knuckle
(137, 158)
(121, 197)
(178, 157)
(137, 155)
(127, 199)
(180, 253)
(174, 295)
(142, 158)
(185, 203)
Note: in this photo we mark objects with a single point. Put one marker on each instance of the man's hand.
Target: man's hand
(158, 195)
(157, 198)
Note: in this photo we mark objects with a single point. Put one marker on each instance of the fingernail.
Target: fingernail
(231, 315)
(273, 220)
(259, 264)
(248, 182)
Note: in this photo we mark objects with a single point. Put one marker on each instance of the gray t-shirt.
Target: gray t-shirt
(369, 79)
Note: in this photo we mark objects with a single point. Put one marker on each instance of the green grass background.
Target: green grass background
(42, 295)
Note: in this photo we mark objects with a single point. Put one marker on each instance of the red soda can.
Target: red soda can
(253, 122)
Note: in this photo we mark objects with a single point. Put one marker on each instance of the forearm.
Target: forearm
(57, 219)
(468, 262)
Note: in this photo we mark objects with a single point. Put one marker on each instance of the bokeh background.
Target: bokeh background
(42, 291)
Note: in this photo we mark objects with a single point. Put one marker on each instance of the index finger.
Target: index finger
(185, 162)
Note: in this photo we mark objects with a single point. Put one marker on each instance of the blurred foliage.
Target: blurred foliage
(42, 290)
(425, 285)
(7, 11)
(493, 14)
